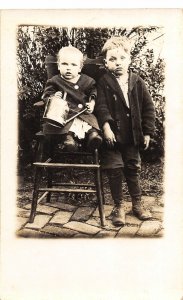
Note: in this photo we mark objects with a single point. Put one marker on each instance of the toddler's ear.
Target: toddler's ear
(81, 65)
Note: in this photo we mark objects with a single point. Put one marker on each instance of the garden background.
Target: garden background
(34, 43)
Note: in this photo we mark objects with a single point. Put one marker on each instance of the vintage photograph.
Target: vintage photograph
(91, 131)
(91, 154)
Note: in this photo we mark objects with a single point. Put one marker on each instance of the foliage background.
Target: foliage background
(34, 43)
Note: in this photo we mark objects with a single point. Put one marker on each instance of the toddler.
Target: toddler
(81, 92)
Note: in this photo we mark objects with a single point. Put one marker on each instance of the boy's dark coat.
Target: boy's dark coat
(142, 108)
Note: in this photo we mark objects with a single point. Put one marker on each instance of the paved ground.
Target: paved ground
(61, 220)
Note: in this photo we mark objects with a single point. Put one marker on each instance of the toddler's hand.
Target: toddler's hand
(59, 94)
(90, 106)
(146, 141)
(109, 135)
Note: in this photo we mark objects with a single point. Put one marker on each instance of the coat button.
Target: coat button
(76, 87)
(127, 115)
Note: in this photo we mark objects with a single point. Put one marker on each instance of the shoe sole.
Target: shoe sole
(94, 144)
(118, 224)
(70, 148)
(140, 218)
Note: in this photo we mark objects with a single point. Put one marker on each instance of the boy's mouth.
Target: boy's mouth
(119, 70)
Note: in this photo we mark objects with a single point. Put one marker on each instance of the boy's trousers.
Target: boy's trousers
(123, 160)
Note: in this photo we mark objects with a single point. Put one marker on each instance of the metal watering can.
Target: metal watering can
(57, 109)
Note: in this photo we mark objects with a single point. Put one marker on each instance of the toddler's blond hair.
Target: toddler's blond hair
(70, 49)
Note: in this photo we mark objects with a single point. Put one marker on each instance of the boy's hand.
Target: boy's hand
(90, 106)
(146, 141)
(109, 135)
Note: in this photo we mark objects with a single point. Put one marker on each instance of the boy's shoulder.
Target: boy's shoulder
(108, 76)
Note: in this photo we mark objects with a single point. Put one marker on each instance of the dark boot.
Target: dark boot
(94, 141)
(118, 215)
(138, 209)
(70, 144)
(115, 182)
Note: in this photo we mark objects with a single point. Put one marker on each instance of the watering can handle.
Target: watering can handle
(78, 114)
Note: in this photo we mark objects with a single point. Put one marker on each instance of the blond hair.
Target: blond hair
(117, 42)
(69, 49)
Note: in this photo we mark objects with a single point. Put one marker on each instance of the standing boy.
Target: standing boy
(126, 115)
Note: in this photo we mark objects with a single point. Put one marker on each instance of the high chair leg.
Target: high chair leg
(49, 184)
(99, 191)
(35, 194)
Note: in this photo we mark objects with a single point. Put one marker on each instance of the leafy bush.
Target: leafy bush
(34, 43)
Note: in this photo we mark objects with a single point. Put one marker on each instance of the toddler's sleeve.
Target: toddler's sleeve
(50, 89)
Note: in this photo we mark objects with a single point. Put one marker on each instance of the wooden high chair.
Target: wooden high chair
(47, 164)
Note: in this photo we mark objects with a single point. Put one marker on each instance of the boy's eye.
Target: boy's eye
(64, 64)
(112, 59)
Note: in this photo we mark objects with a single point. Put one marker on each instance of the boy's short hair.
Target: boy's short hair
(117, 42)
(70, 49)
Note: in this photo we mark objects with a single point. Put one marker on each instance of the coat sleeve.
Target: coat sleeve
(102, 110)
(148, 112)
(93, 89)
(50, 89)
(88, 86)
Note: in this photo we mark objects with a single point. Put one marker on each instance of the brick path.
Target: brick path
(61, 220)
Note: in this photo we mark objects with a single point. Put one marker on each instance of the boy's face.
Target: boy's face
(117, 61)
(69, 65)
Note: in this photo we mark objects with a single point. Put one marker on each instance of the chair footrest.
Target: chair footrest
(73, 184)
(76, 153)
(63, 165)
(66, 190)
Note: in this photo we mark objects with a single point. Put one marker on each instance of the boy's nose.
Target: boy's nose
(118, 62)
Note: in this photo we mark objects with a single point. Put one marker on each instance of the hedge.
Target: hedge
(34, 43)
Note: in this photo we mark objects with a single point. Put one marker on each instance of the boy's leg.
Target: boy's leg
(111, 161)
(115, 182)
(132, 168)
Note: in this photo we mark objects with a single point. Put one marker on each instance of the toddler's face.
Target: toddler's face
(69, 65)
(117, 61)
